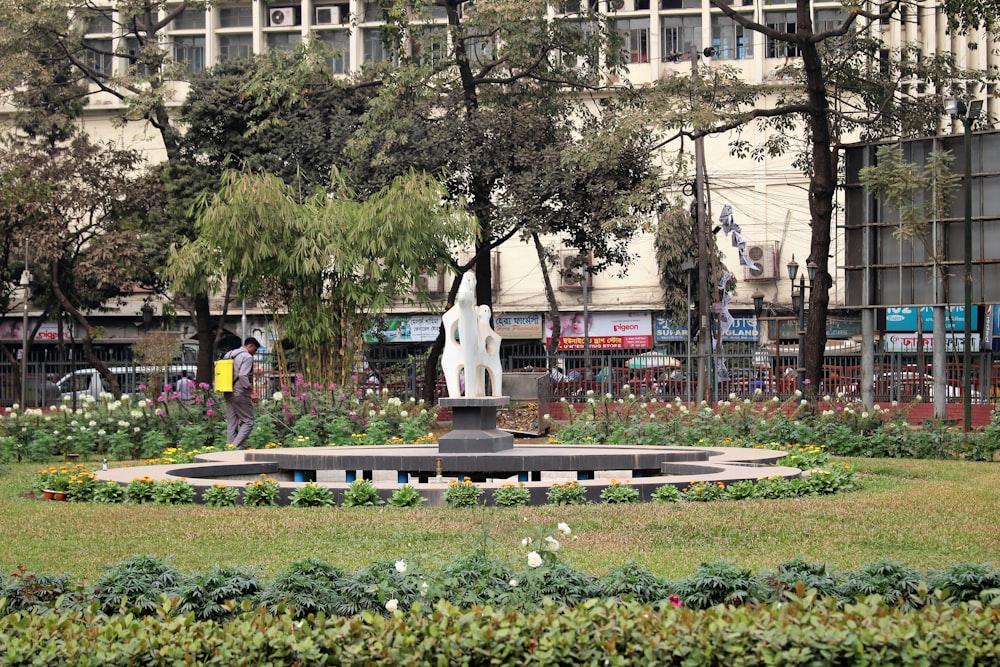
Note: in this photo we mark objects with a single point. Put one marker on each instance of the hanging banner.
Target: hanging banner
(608, 331)
(407, 329)
(743, 328)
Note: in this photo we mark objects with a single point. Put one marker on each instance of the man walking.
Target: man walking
(239, 402)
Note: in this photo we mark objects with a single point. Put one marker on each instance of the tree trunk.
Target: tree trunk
(821, 192)
(205, 332)
(88, 329)
(552, 346)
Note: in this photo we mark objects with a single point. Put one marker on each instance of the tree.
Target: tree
(336, 262)
(846, 85)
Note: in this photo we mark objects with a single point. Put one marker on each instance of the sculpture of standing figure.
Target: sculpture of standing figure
(471, 346)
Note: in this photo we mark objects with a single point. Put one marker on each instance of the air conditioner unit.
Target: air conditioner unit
(571, 267)
(621, 5)
(279, 17)
(329, 15)
(764, 256)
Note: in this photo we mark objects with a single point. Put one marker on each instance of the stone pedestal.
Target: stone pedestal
(474, 426)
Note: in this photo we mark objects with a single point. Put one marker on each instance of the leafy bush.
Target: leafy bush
(109, 493)
(261, 492)
(141, 490)
(207, 596)
(631, 582)
(512, 495)
(619, 493)
(966, 581)
(668, 493)
(134, 585)
(362, 493)
(220, 495)
(173, 492)
(463, 493)
(895, 583)
(309, 587)
(28, 591)
(406, 496)
(312, 495)
(701, 492)
(567, 493)
(718, 583)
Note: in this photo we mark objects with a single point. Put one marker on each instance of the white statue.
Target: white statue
(471, 346)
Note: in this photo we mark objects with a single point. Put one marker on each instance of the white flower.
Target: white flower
(803, 402)
(401, 566)
(513, 583)
(732, 396)
(534, 560)
(798, 393)
(424, 586)
(864, 415)
(526, 541)
(392, 604)
(564, 528)
(402, 414)
(277, 396)
(551, 544)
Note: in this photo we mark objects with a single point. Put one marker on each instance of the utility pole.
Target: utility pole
(705, 305)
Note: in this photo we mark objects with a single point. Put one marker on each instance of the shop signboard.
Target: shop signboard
(607, 331)
(905, 318)
(407, 329)
(519, 325)
(911, 342)
(745, 328)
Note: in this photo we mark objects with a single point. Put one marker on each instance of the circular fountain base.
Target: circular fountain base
(430, 470)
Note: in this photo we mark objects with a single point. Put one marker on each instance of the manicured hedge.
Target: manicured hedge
(799, 631)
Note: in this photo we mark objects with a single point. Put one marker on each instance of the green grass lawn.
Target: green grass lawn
(926, 514)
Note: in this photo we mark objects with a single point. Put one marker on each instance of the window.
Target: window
(374, 12)
(479, 49)
(235, 47)
(636, 34)
(680, 4)
(190, 19)
(680, 33)
(236, 17)
(730, 40)
(136, 60)
(282, 41)
(829, 19)
(100, 55)
(339, 42)
(782, 22)
(430, 44)
(374, 50)
(99, 24)
(190, 50)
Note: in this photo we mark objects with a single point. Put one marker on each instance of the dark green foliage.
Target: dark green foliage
(206, 595)
(27, 591)
(136, 585)
(556, 582)
(718, 583)
(895, 583)
(308, 587)
(473, 580)
(370, 588)
(795, 574)
(966, 581)
(632, 582)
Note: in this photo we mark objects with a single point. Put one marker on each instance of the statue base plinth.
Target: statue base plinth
(474, 426)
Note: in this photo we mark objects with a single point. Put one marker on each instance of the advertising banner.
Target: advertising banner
(904, 318)
(909, 342)
(408, 329)
(608, 331)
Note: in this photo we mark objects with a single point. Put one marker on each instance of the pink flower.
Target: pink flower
(210, 412)
(807, 381)
(161, 398)
(204, 385)
(160, 413)
(209, 401)
(168, 387)
(141, 387)
(675, 601)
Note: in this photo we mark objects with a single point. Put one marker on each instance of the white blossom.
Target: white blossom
(401, 566)
(392, 604)
(534, 560)
(564, 528)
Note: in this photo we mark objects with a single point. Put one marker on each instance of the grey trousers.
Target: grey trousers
(239, 418)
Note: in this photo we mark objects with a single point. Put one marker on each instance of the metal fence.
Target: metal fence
(898, 377)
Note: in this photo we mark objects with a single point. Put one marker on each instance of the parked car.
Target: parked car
(90, 382)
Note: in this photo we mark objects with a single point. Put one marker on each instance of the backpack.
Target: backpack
(224, 376)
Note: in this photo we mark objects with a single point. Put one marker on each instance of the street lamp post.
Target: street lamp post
(799, 305)
(25, 294)
(968, 114)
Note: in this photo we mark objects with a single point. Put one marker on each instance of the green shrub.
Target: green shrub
(141, 490)
(406, 496)
(511, 495)
(109, 493)
(362, 493)
(619, 493)
(308, 587)
(207, 595)
(463, 493)
(312, 495)
(702, 492)
(220, 495)
(667, 493)
(173, 492)
(895, 583)
(134, 585)
(718, 583)
(262, 492)
(566, 493)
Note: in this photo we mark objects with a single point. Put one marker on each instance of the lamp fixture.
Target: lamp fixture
(793, 269)
(811, 270)
(758, 303)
